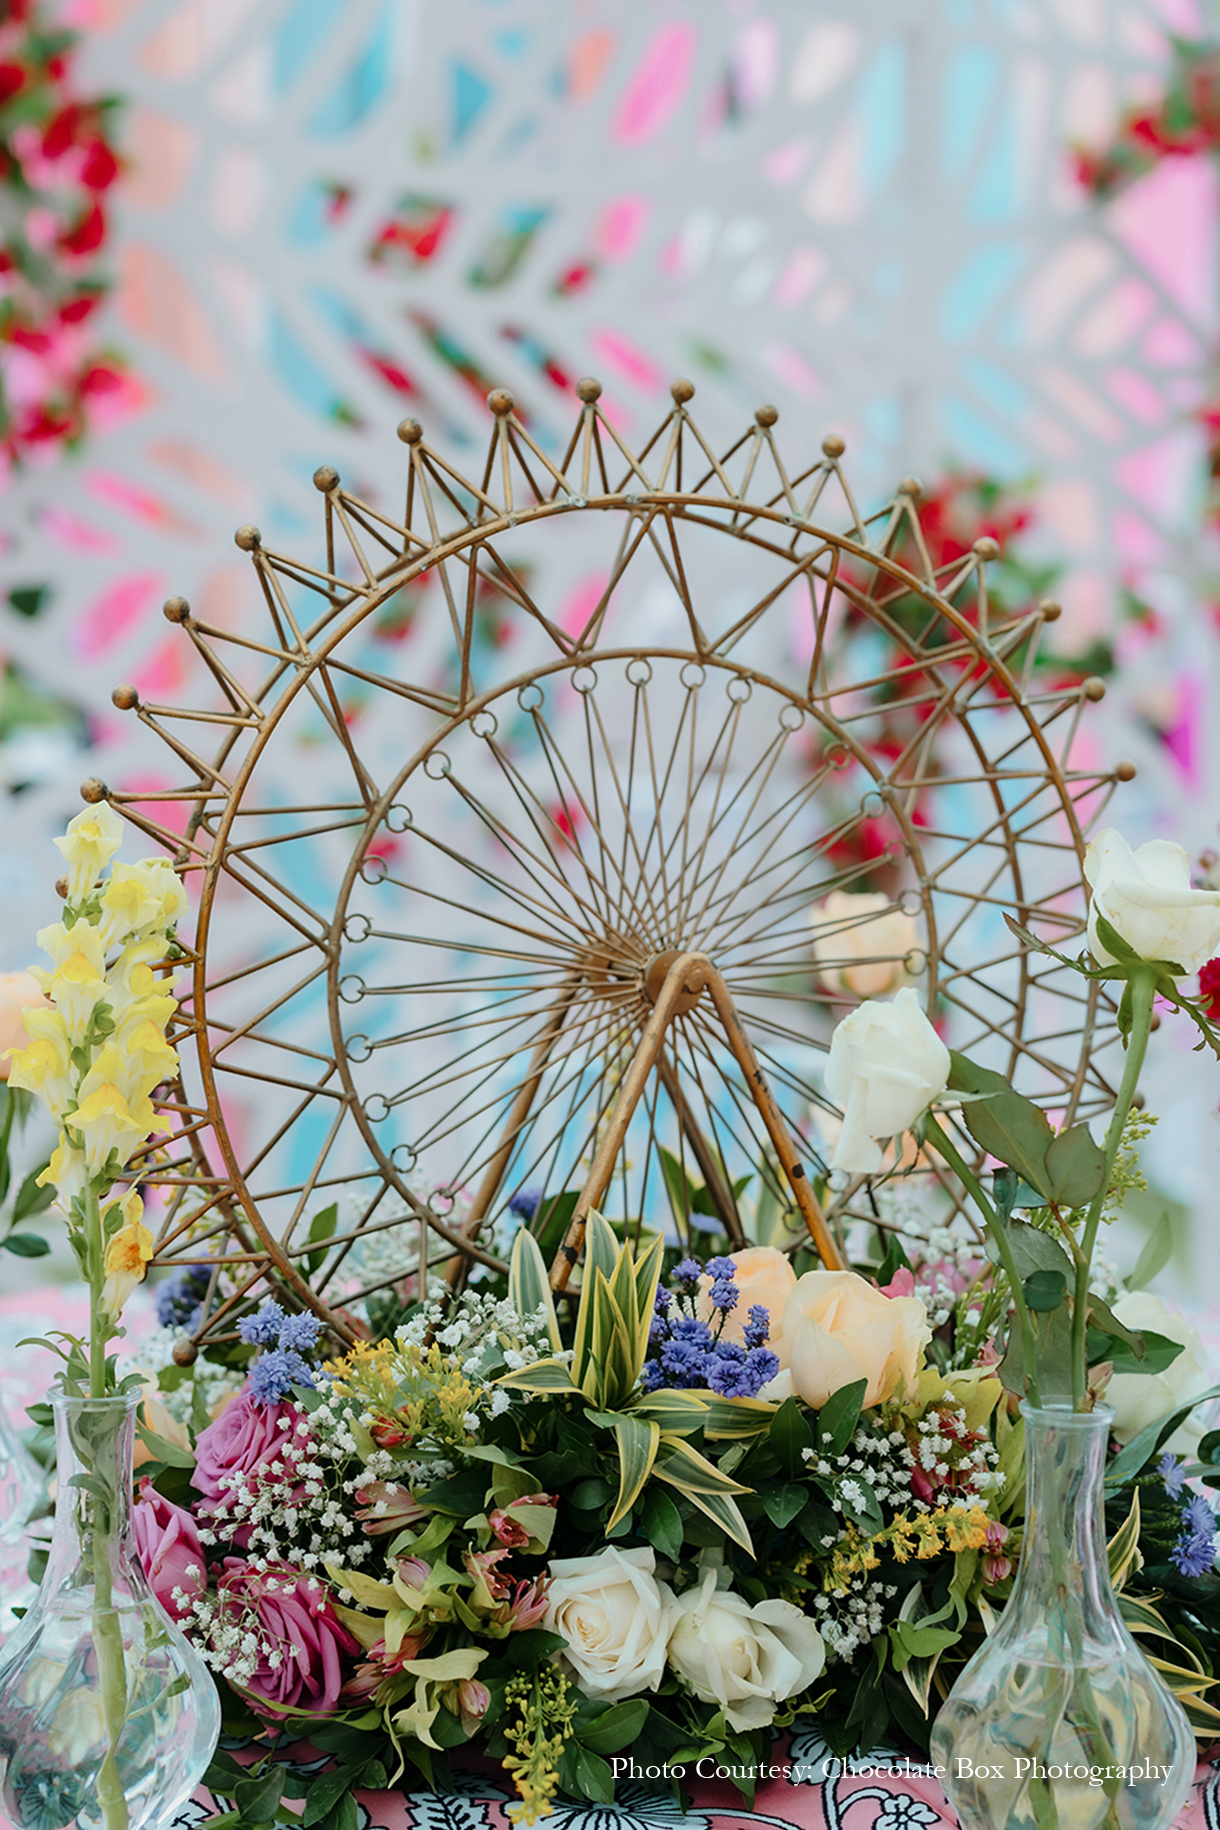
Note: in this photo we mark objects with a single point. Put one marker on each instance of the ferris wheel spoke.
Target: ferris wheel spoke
(534, 808)
(630, 841)
(677, 899)
(763, 770)
(556, 938)
(449, 943)
(526, 859)
(557, 762)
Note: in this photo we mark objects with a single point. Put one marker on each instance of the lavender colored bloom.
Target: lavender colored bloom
(662, 1301)
(758, 1328)
(688, 1271)
(178, 1298)
(274, 1374)
(1198, 1517)
(721, 1267)
(300, 1333)
(1172, 1472)
(724, 1294)
(525, 1203)
(1194, 1553)
(263, 1328)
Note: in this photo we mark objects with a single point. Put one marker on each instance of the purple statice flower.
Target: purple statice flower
(178, 1298)
(1197, 1516)
(274, 1374)
(1173, 1473)
(300, 1333)
(1194, 1554)
(758, 1328)
(525, 1203)
(689, 1353)
(263, 1328)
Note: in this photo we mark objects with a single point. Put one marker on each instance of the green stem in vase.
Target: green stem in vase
(936, 1135)
(1142, 988)
(98, 1508)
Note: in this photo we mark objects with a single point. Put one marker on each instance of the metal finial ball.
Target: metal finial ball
(1050, 610)
(325, 477)
(766, 416)
(248, 538)
(683, 391)
(911, 486)
(94, 791)
(185, 1353)
(500, 401)
(175, 609)
(986, 548)
(61, 888)
(125, 698)
(833, 445)
(588, 389)
(1125, 772)
(410, 431)
(1094, 689)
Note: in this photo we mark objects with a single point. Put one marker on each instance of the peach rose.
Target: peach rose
(838, 1328)
(17, 992)
(764, 1275)
(862, 942)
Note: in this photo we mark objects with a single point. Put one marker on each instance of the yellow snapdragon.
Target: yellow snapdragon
(89, 844)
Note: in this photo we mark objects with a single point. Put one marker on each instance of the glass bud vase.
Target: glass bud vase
(108, 1716)
(1059, 1722)
(20, 1487)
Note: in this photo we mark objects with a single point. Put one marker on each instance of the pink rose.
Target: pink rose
(296, 1662)
(244, 1438)
(170, 1552)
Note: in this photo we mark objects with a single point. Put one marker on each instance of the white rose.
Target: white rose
(1146, 897)
(861, 942)
(746, 1659)
(887, 1064)
(1143, 1398)
(837, 1328)
(615, 1616)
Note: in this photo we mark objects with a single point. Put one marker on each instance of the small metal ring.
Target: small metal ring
(359, 1048)
(693, 676)
(485, 724)
(403, 1158)
(357, 928)
(584, 680)
(352, 988)
(398, 818)
(739, 689)
(437, 766)
(376, 1108)
(373, 870)
(639, 671)
(530, 697)
(791, 717)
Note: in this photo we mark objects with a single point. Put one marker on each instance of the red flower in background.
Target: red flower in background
(57, 159)
(1209, 988)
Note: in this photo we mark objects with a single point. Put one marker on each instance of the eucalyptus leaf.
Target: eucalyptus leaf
(1045, 1290)
(1156, 1253)
(1006, 1124)
(1075, 1167)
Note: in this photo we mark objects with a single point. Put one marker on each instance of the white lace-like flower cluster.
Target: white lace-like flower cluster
(480, 1327)
(884, 1461)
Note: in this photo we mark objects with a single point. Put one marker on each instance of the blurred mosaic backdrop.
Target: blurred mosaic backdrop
(331, 217)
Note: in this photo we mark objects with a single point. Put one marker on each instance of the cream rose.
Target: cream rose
(745, 1658)
(838, 1328)
(616, 1618)
(1146, 897)
(764, 1276)
(861, 943)
(1143, 1398)
(887, 1064)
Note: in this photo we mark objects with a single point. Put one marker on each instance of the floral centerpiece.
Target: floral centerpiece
(640, 1532)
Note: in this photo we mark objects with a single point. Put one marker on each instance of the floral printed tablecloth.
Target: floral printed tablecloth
(807, 1788)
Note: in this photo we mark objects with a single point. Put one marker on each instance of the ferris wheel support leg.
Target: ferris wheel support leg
(690, 973)
(489, 1187)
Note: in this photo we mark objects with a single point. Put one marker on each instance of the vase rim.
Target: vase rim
(1063, 1416)
(120, 1400)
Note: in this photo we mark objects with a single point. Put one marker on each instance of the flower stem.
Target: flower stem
(1143, 995)
(107, 1627)
(935, 1134)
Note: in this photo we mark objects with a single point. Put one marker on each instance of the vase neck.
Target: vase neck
(94, 1448)
(1063, 1552)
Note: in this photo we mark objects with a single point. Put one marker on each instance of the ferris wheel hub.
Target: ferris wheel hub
(655, 974)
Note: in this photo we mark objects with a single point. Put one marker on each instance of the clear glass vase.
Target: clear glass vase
(108, 1716)
(1059, 1719)
(20, 1486)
